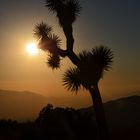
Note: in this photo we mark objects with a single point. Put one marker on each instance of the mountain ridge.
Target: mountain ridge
(14, 104)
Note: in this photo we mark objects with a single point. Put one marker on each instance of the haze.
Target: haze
(112, 23)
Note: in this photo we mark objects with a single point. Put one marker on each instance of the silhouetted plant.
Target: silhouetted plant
(89, 66)
(67, 122)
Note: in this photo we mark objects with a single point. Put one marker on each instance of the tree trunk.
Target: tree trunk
(102, 127)
(95, 94)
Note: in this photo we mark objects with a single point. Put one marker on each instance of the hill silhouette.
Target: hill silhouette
(123, 116)
(25, 105)
(20, 105)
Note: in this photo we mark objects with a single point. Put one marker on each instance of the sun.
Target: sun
(31, 48)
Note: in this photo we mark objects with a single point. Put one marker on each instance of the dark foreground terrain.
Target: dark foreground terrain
(52, 124)
(123, 117)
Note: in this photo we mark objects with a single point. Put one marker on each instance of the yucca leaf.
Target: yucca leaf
(42, 30)
(66, 10)
(71, 79)
(54, 61)
(103, 56)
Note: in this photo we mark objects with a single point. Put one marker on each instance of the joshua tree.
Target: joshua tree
(89, 66)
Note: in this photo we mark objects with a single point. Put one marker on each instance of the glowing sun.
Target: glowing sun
(31, 48)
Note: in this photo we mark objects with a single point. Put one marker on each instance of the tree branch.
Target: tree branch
(68, 31)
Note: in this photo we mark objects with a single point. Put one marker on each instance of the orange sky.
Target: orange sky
(20, 71)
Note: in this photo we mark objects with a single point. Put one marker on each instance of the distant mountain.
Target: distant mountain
(20, 105)
(125, 111)
(123, 116)
(26, 106)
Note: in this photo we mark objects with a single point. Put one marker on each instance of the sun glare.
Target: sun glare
(32, 49)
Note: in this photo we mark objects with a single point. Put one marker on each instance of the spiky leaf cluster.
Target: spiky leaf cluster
(54, 61)
(42, 30)
(54, 41)
(103, 57)
(48, 42)
(90, 70)
(66, 10)
(71, 79)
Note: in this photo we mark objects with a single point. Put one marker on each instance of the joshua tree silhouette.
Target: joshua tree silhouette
(89, 66)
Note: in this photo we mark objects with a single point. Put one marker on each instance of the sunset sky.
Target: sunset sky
(114, 23)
